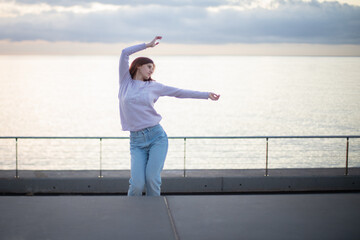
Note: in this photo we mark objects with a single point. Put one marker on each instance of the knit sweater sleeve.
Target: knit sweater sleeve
(181, 93)
(124, 61)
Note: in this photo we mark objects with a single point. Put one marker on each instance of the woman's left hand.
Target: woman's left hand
(214, 96)
(154, 42)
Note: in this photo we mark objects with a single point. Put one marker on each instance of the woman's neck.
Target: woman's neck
(138, 77)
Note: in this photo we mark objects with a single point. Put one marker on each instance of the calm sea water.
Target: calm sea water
(77, 96)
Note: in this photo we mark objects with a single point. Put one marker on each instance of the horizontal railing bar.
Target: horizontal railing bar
(188, 137)
(31, 137)
(262, 137)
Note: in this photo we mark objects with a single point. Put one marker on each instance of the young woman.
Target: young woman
(148, 140)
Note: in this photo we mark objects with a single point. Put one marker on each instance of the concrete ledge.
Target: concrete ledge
(291, 184)
(196, 181)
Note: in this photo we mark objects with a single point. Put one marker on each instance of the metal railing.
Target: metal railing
(266, 147)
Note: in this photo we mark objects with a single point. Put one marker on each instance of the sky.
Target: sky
(243, 27)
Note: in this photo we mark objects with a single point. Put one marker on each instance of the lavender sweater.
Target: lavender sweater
(137, 98)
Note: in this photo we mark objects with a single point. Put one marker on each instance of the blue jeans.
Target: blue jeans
(148, 149)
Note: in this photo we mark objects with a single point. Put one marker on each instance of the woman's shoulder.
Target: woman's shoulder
(155, 85)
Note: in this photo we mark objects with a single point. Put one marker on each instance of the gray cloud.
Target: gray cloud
(292, 22)
(176, 3)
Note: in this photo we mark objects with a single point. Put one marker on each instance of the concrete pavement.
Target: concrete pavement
(243, 216)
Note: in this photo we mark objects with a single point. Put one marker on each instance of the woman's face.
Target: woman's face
(146, 70)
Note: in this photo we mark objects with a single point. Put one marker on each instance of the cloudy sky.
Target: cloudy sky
(32, 26)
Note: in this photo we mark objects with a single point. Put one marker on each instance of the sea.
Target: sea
(77, 96)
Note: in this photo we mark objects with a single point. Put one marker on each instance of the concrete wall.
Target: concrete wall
(196, 181)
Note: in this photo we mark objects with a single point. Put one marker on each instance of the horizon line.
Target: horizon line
(66, 48)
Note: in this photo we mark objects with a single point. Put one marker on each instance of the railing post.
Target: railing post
(100, 176)
(267, 157)
(347, 157)
(184, 157)
(17, 160)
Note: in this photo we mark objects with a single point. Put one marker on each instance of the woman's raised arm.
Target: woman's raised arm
(124, 61)
(126, 52)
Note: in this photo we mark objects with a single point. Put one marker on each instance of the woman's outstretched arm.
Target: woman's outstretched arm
(184, 93)
(126, 52)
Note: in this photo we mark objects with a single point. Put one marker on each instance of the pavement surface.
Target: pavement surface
(243, 216)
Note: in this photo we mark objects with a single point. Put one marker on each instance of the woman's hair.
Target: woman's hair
(138, 62)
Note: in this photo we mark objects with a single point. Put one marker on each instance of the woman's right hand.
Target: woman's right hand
(214, 96)
(153, 43)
